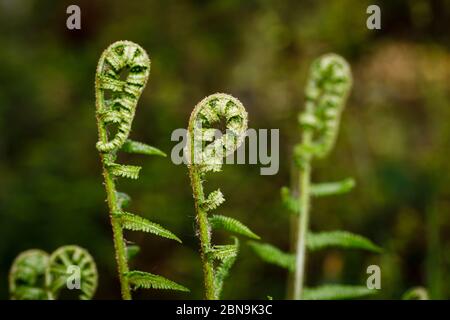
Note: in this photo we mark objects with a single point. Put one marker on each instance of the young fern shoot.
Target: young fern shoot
(27, 275)
(205, 154)
(326, 93)
(36, 275)
(116, 102)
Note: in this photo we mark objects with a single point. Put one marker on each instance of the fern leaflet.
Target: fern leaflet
(332, 188)
(291, 203)
(273, 255)
(231, 225)
(140, 279)
(131, 146)
(223, 269)
(224, 251)
(341, 239)
(124, 171)
(214, 200)
(133, 222)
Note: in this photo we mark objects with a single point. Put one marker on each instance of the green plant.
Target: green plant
(36, 275)
(416, 293)
(326, 92)
(27, 276)
(116, 101)
(205, 154)
(59, 262)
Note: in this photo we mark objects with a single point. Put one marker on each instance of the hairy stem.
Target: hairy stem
(203, 233)
(119, 241)
(116, 102)
(205, 155)
(303, 221)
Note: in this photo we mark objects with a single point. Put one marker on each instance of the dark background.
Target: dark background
(394, 140)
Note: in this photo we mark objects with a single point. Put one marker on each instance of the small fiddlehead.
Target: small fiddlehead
(116, 102)
(36, 275)
(326, 92)
(121, 107)
(59, 269)
(27, 276)
(205, 153)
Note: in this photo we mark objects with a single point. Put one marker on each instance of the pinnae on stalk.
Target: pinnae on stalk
(116, 102)
(326, 93)
(205, 154)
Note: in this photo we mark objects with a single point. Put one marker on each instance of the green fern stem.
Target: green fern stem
(303, 221)
(204, 233)
(205, 154)
(116, 102)
(118, 238)
(118, 110)
(326, 93)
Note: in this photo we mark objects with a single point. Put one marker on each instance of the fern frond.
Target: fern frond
(326, 92)
(214, 200)
(56, 274)
(205, 154)
(332, 188)
(124, 171)
(337, 292)
(121, 106)
(341, 239)
(116, 103)
(223, 270)
(133, 222)
(140, 279)
(231, 225)
(26, 274)
(222, 252)
(289, 202)
(205, 115)
(273, 255)
(131, 146)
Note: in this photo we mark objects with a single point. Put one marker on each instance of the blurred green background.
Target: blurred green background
(395, 137)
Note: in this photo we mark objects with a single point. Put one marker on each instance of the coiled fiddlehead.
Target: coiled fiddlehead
(205, 154)
(27, 276)
(59, 264)
(326, 92)
(116, 102)
(36, 275)
(120, 109)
